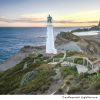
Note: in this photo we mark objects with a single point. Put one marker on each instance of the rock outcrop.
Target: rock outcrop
(88, 44)
(65, 37)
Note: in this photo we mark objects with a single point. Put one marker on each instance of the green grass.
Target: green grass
(41, 81)
(60, 55)
(10, 79)
(68, 70)
(96, 85)
(74, 89)
(94, 78)
(68, 59)
(74, 53)
(78, 61)
(37, 77)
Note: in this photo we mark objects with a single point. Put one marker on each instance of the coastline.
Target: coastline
(63, 43)
(19, 56)
(31, 61)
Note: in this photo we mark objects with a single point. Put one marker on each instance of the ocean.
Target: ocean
(12, 39)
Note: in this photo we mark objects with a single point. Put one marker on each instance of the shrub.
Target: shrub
(83, 75)
(94, 78)
(28, 77)
(60, 55)
(74, 89)
(41, 81)
(69, 70)
(59, 91)
(40, 55)
(96, 85)
(49, 60)
(58, 65)
(70, 77)
(10, 79)
(72, 53)
(78, 60)
(67, 82)
(69, 59)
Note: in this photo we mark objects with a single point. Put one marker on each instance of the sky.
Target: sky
(33, 13)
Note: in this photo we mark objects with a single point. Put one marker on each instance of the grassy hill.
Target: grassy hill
(35, 76)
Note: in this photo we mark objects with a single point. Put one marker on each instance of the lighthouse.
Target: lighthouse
(50, 47)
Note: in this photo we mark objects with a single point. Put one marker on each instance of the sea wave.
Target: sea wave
(86, 33)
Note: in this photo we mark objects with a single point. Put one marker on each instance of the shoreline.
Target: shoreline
(27, 50)
(90, 33)
(19, 56)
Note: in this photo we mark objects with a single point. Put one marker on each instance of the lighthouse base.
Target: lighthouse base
(53, 51)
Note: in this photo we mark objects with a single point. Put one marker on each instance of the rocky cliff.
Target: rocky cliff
(88, 44)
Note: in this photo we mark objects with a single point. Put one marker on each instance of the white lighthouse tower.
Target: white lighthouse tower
(50, 47)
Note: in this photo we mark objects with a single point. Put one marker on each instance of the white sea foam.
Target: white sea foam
(86, 33)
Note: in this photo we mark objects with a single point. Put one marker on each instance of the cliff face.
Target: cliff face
(65, 37)
(88, 44)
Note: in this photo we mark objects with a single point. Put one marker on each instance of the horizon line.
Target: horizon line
(46, 26)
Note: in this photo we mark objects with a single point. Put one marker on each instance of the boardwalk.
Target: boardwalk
(81, 68)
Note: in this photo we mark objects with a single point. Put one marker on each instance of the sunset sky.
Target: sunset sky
(34, 13)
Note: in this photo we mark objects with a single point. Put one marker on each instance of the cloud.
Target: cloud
(29, 20)
(2, 18)
(39, 20)
(88, 17)
(74, 21)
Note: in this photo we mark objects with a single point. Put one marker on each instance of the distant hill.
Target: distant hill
(93, 28)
